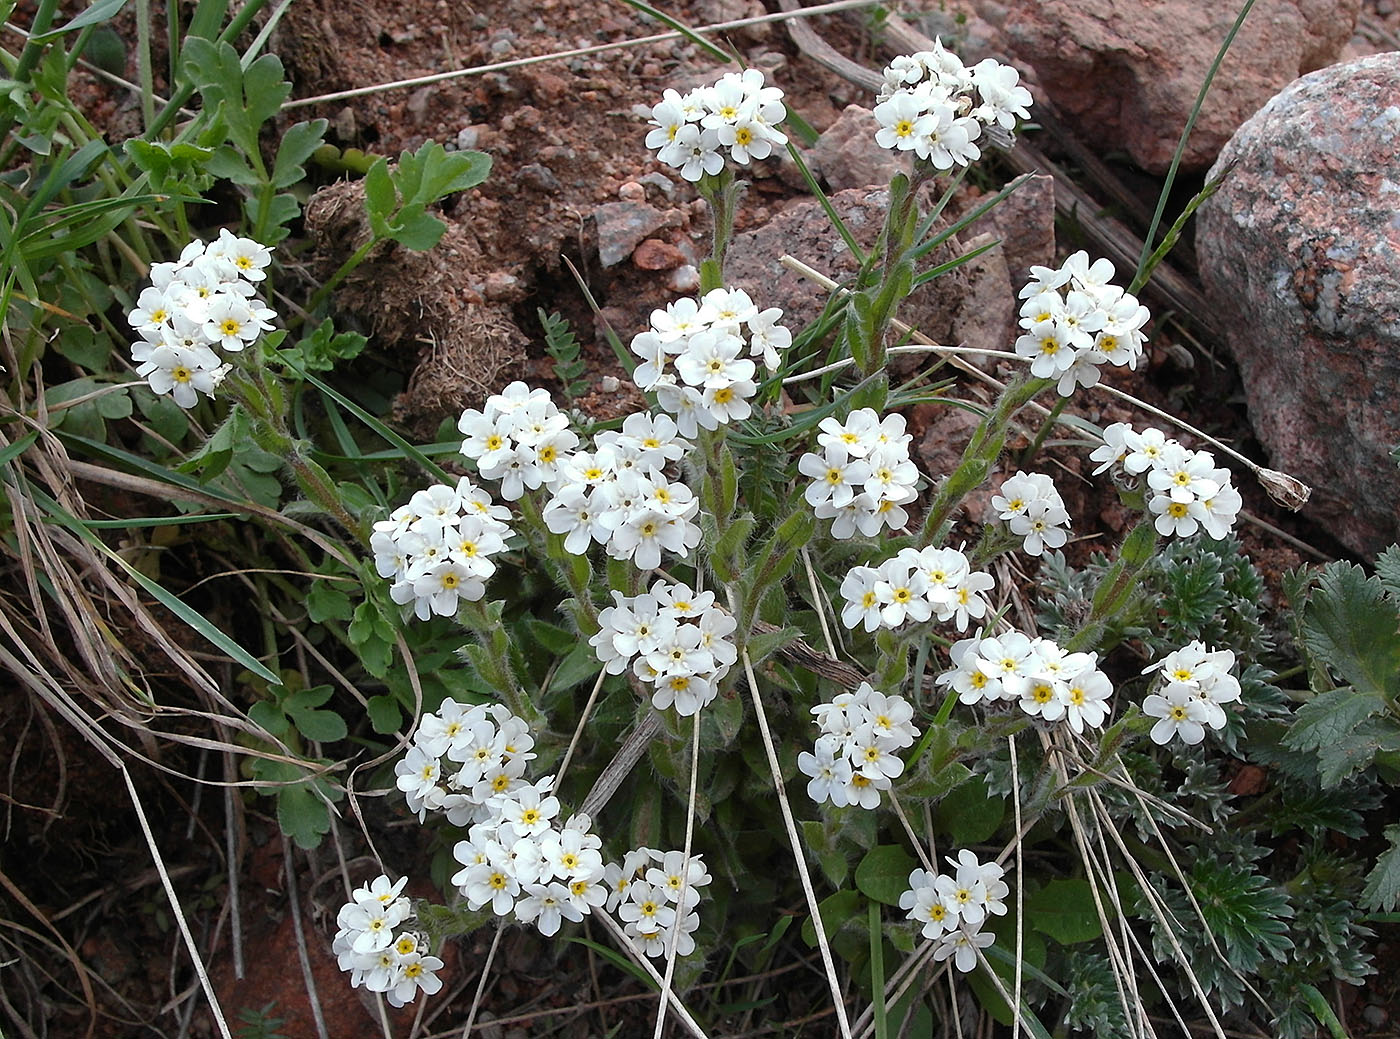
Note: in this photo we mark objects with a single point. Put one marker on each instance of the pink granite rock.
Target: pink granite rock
(1300, 255)
(971, 305)
(848, 156)
(1127, 74)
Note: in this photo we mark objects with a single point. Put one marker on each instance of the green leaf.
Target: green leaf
(384, 714)
(418, 230)
(972, 816)
(1382, 891)
(1388, 571)
(297, 145)
(1362, 746)
(215, 455)
(321, 348)
(1350, 625)
(270, 717)
(1064, 910)
(380, 197)
(835, 910)
(325, 601)
(1329, 724)
(165, 416)
(99, 12)
(302, 815)
(883, 875)
(432, 173)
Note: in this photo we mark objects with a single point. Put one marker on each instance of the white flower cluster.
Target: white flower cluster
(375, 954)
(524, 861)
(935, 106)
(863, 476)
(204, 300)
(692, 356)
(675, 639)
(952, 908)
(915, 585)
(1075, 321)
(437, 549)
(463, 756)
(619, 496)
(1046, 681)
(521, 439)
(1034, 510)
(857, 754)
(738, 113)
(649, 890)
(1188, 492)
(1196, 681)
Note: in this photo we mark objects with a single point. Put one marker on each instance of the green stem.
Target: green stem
(356, 258)
(495, 645)
(1117, 585)
(29, 57)
(722, 193)
(1029, 454)
(981, 452)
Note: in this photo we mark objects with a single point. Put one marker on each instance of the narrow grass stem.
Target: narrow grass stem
(673, 946)
(909, 832)
(807, 890)
(481, 981)
(1016, 1024)
(578, 729)
(677, 1007)
(175, 909)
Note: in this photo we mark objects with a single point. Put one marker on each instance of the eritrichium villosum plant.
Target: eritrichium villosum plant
(756, 556)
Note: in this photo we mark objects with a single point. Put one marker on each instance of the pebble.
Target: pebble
(684, 279)
(502, 286)
(541, 178)
(468, 136)
(656, 255)
(631, 191)
(662, 183)
(622, 226)
(609, 384)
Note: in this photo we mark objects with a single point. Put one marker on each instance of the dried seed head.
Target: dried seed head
(1284, 489)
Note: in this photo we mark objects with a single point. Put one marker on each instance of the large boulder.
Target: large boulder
(1300, 255)
(1127, 74)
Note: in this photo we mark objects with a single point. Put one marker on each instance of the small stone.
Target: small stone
(503, 286)
(622, 226)
(684, 279)
(662, 183)
(1374, 1016)
(541, 178)
(631, 191)
(418, 102)
(609, 384)
(656, 255)
(468, 136)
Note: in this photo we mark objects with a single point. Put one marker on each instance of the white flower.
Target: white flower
(962, 945)
(183, 373)
(863, 604)
(1086, 697)
(1180, 711)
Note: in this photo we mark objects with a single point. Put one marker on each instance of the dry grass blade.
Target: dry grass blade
(79, 967)
(175, 907)
(677, 1007)
(828, 964)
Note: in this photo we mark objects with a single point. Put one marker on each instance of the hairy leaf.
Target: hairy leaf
(1350, 625)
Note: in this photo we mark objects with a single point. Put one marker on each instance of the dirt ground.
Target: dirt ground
(566, 138)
